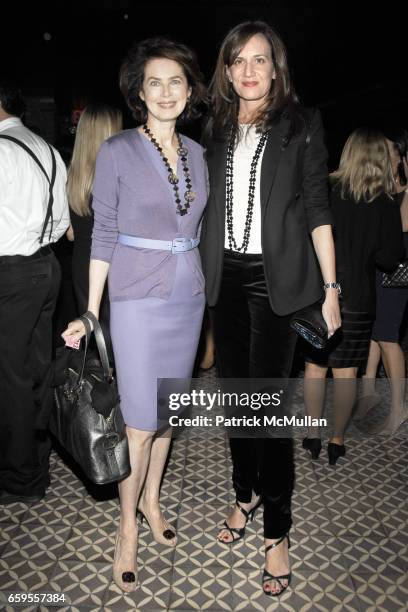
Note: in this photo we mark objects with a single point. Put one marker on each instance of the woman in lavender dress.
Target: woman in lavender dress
(149, 192)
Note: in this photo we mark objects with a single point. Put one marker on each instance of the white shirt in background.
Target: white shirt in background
(24, 192)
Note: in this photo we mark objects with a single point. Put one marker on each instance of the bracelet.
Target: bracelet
(90, 317)
(332, 286)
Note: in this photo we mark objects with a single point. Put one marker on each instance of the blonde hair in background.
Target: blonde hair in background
(97, 123)
(365, 168)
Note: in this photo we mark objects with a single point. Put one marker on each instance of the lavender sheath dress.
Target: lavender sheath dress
(156, 297)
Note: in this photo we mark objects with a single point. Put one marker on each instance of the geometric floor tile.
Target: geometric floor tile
(349, 538)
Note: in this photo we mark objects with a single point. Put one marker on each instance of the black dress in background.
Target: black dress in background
(80, 273)
(367, 236)
(391, 303)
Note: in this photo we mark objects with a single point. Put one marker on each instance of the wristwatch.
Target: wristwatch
(332, 286)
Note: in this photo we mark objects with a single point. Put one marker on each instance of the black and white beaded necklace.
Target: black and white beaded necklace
(182, 152)
(251, 191)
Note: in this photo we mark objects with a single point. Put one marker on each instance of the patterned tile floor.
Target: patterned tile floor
(349, 541)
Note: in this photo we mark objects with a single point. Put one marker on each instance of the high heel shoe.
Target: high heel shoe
(127, 580)
(267, 576)
(314, 445)
(237, 533)
(335, 451)
(165, 537)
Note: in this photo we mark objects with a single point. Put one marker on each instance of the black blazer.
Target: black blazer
(294, 201)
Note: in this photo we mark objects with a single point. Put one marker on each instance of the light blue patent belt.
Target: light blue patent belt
(178, 245)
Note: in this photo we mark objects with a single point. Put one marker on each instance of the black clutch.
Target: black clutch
(310, 325)
(86, 418)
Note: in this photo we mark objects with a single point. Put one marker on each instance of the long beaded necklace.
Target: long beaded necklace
(182, 152)
(251, 192)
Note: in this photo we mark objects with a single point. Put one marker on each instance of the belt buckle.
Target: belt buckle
(181, 245)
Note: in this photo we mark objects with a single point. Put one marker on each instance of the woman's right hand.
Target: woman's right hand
(75, 330)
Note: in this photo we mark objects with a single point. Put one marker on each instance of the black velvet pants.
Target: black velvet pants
(28, 295)
(253, 342)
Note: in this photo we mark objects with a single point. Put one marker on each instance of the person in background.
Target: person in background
(265, 245)
(33, 215)
(97, 123)
(368, 233)
(207, 356)
(391, 308)
(149, 193)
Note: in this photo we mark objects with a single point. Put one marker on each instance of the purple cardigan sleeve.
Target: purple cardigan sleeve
(105, 196)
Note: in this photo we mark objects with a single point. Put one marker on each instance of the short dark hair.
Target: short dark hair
(11, 98)
(132, 74)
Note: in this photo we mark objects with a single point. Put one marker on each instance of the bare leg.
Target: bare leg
(149, 499)
(314, 392)
(208, 359)
(343, 400)
(394, 363)
(129, 492)
(369, 397)
(373, 361)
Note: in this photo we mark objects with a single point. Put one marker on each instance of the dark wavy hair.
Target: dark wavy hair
(281, 99)
(132, 74)
(11, 98)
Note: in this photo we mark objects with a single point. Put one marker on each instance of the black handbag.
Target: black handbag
(397, 278)
(310, 325)
(86, 418)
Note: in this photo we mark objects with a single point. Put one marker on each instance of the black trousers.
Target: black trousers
(28, 294)
(253, 342)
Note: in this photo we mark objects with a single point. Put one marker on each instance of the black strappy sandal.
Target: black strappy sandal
(266, 577)
(239, 531)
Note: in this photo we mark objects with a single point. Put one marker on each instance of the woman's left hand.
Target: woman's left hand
(331, 311)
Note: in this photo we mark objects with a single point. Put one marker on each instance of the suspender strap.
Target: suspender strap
(50, 182)
(48, 214)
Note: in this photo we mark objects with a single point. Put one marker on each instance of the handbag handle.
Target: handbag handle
(90, 320)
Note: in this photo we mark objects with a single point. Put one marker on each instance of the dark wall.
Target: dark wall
(347, 58)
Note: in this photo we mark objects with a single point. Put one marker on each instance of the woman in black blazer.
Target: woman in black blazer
(266, 220)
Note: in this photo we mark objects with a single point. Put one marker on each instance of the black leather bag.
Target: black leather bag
(397, 278)
(310, 325)
(86, 418)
